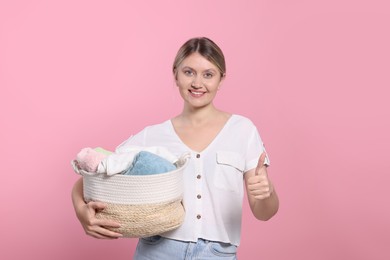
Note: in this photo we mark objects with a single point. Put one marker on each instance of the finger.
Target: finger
(261, 193)
(108, 233)
(106, 223)
(259, 189)
(100, 236)
(97, 205)
(257, 179)
(102, 232)
(254, 186)
(260, 163)
(263, 196)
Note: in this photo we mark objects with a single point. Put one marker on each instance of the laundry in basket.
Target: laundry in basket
(144, 205)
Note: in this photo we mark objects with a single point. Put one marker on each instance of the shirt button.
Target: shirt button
(198, 176)
(199, 196)
(198, 156)
(198, 216)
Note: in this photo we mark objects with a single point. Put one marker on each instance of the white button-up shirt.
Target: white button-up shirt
(213, 179)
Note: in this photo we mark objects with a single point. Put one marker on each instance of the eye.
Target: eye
(208, 75)
(188, 72)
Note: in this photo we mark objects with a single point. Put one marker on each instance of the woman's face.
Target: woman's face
(198, 80)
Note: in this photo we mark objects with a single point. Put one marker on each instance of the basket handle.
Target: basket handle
(183, 159)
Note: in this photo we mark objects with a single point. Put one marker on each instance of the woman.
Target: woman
(226, 154)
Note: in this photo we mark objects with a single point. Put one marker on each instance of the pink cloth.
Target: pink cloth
(88, 159)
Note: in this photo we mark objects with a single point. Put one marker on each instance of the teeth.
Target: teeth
(197, 93)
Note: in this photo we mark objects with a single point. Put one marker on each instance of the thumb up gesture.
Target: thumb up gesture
(259, 186)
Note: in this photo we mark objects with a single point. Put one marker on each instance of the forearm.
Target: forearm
(77, 194)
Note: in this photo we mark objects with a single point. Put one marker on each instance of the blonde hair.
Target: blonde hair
(205, 47)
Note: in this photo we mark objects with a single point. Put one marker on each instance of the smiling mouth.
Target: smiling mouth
(195, 93)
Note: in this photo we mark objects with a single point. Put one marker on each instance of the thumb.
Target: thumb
(260, 163)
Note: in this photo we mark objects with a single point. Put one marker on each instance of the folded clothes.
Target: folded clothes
(102, 150)
(146, 163)
(120, 161)
(131, 160)
(88, 159)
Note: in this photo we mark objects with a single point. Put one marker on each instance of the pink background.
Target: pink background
(312, 75)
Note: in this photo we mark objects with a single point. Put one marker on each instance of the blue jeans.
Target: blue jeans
(160, 248)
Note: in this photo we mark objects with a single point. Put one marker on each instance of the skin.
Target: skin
(262, 197)
(92, 226)
(198, 81)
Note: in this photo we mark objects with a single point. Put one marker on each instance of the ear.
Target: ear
(221, 80)
(175, 75)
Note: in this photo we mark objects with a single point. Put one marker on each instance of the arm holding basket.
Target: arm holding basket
(86, 212)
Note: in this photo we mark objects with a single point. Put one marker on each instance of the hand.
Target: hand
(96, 227)
(259, 186)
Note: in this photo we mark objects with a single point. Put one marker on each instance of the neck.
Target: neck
(199, 116)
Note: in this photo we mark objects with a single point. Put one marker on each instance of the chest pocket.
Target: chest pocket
(229, 171)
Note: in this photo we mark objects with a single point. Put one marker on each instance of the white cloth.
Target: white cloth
(123, 157)
(213, 179)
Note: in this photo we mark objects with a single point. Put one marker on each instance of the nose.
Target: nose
(197, 83)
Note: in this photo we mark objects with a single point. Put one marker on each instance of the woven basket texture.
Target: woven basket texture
(144, 220)
(144, 205)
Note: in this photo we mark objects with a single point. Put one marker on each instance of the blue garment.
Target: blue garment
(157, 247)
(146, 163)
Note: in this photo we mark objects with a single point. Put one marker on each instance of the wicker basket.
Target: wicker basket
(144, 205)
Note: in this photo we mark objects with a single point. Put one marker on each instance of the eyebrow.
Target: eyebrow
(207, 70)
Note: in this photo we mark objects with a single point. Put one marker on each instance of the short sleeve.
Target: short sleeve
(255, 149)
